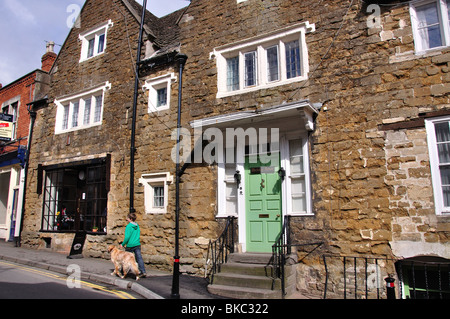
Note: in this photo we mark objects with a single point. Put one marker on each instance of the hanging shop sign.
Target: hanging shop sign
(6, 127)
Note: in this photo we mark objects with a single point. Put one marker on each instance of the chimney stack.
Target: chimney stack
(49, 57)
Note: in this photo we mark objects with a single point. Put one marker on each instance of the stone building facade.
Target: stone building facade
(348, 101)
(80, 157)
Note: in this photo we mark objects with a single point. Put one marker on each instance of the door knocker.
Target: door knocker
(262, 183)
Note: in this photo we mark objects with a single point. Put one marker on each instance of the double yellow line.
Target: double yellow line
(120, 294)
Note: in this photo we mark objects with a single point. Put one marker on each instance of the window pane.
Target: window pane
(161, 97)
(98, 108)
(448, 10)
(233, 74)
(87, 111)
(443, 141)
(91, 48)
(292, 59)
(76, 107)
(442, 132)
(158, 196)
(65, 124)
(101, 43)
(250, 69)
(272, 64)
(445, 180)
(428, 25)
(296, 156)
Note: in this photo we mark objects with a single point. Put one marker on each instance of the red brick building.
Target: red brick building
(15, 98)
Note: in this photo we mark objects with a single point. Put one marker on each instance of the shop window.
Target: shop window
(75, 198)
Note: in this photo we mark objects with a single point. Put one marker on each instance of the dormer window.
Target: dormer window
(93, 42)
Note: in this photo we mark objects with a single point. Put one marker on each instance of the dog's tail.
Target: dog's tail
(135, 269)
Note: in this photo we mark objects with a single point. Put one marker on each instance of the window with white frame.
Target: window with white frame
(159, 92)
(277, 58)
(80, 111)
(430, 23)
(297, 178)
(156, 192)
(93, 42)
(228, 187)
(438, 133)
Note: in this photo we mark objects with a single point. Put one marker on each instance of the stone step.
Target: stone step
(251, 258)
(247, 269)
(244, 292)
(249, 281)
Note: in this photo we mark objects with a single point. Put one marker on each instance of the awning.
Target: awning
(295, 113)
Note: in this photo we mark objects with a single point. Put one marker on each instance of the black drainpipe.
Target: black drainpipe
(133, 123)
(32, 114)
(181, 58)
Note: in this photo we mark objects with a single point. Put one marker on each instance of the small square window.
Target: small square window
(156, 192)
(430, 23)
(159, 92)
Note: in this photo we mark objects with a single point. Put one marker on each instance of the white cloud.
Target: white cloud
(20, 11)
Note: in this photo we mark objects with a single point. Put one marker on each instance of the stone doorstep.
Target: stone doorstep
(249, 275)
(248, 281)
(244, 292)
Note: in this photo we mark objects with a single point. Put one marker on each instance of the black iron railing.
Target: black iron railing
(219, 249)
(366, 277)
(281, 250)
(357, 277)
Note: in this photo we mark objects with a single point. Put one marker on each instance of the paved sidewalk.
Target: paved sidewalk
(157, 284)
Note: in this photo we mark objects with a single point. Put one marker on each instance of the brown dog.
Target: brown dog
(124, 261)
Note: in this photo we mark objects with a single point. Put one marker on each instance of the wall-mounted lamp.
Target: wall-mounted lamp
(282, 173)
(237, 178)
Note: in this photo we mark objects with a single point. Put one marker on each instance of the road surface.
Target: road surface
(24, 282)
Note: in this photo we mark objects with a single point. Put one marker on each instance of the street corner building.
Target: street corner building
(314, 139)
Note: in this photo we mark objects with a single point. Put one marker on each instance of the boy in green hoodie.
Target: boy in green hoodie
(132, 242)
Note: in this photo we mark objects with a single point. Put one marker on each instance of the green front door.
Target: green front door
(263, 204)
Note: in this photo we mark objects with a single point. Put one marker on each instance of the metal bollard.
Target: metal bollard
(390, 287)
